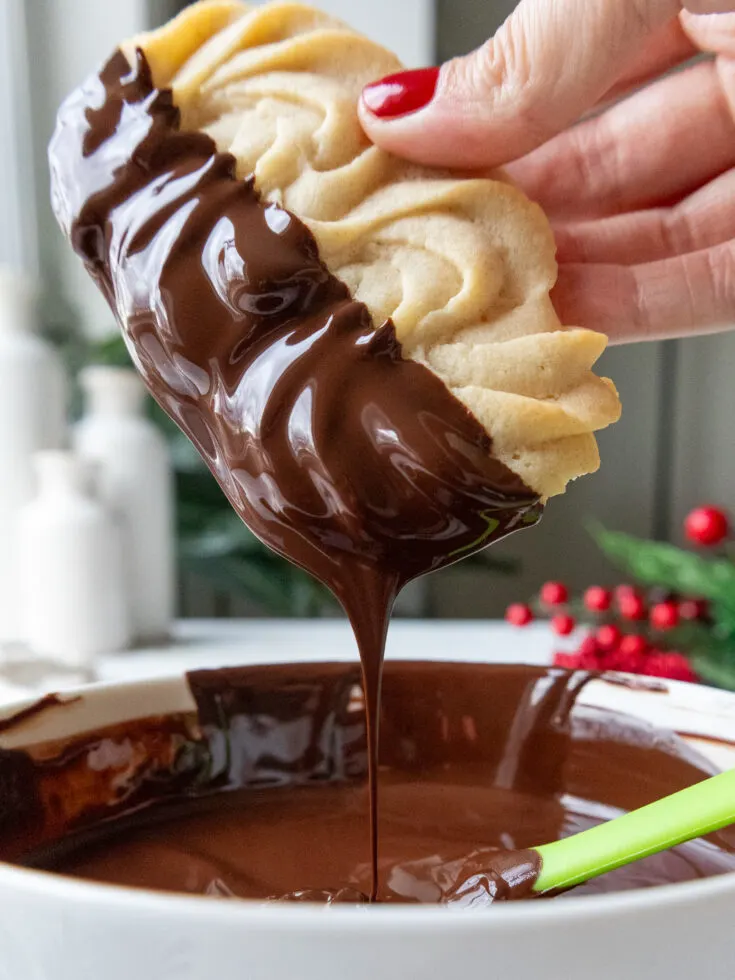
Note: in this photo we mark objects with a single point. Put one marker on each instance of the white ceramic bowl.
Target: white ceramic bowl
(54, 928)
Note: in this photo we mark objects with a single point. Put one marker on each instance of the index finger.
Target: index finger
(548, 64)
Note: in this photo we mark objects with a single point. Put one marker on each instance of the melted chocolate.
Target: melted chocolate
(492, 876)
(352, 462)
(262, 793)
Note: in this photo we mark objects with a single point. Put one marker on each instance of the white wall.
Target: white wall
(67, 39)
(404, 26)
(18, 240)
(702, 426)
(407, 27)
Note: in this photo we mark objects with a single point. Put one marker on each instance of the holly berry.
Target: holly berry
(624, 591)
(672, 666)
(634, 645)
(629, 662)
(632, 607)
(554, 593)
(577, 661)
(597, 599)
(562, 624)
(664, 615)
(519, 614)
(570, 661)
(707, 526)
(589, 646)
(693, 609)
(608, 637)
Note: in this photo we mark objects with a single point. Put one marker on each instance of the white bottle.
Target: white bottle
(32, 417)
(135, 480)
(73, 599)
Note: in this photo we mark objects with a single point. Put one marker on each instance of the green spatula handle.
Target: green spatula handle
(700, 809)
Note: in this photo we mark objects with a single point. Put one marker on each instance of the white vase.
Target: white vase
(73, 597)
(32, 417)
(134, 478)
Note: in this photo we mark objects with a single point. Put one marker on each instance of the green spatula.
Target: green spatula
(700, 809)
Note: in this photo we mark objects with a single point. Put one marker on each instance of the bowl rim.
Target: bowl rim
(661, 899)
(395, 917)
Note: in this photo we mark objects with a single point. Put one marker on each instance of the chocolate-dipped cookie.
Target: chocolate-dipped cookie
(463, 268)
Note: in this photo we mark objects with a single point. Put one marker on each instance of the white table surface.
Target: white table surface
(223, 643)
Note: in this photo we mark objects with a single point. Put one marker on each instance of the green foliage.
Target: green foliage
(111, 351)
(655, 563)
(215, 545)
(712, 656)
(711, 648)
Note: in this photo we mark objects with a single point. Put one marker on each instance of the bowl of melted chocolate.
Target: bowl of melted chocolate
(223, 825)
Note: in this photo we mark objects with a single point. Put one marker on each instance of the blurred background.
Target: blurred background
(672, 449)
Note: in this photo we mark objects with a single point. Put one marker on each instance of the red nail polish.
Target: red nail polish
(397, 95)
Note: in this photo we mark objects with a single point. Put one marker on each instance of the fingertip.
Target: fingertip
(397, 114)
(439, 118)
(417, 135)
(400, 94)
(442, 135)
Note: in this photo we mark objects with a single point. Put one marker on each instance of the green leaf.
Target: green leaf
(716, 669)
(200, 490)
(710, 650)
(655, 563)
(262, 583)
(308, 598)
(489, 560)
(223, 534)
(111, 351)
(724, 616)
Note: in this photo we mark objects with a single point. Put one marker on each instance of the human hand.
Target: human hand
(641, 193)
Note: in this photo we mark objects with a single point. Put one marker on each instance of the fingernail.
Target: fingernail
(398, 95)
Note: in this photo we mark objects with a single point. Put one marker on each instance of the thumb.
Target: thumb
(550, 62)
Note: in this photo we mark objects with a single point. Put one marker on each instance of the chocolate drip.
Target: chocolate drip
(352, 462)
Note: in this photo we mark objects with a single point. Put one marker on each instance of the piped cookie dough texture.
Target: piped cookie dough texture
(463, 267)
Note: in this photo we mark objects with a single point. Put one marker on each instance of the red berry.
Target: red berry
(563, 625)
(628, 662)
(624, 591)
(608, 637)
(672, 666)
(597, 599)
(665, 616)
(588, 647)
(707, 526)
(693, 609)
(632, 607)
(554, 593)
(577, 661)
(633, 645)
(519, 614)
